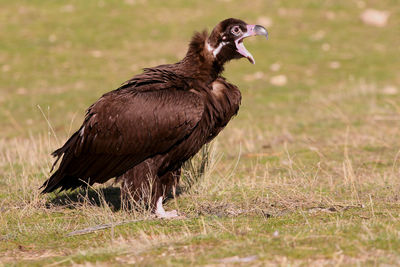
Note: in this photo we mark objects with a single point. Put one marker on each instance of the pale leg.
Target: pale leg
(161, 213)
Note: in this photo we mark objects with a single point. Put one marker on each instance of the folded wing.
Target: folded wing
(122, 129)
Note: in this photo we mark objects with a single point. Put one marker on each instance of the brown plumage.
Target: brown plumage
(146, 129)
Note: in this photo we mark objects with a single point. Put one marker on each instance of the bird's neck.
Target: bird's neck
(199, 62)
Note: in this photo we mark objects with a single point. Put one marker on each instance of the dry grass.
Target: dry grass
(279, 196)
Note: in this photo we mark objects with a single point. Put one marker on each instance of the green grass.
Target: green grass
(306, 174)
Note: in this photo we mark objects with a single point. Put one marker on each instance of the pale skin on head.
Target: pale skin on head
(251, 30)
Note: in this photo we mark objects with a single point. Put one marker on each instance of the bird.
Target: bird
(142, 132)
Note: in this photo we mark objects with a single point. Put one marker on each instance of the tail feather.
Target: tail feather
(59, 178)
(79, 168)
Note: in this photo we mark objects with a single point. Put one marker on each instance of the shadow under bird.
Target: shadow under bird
(146, 129)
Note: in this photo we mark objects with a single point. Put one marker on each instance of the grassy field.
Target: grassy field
(307, 174)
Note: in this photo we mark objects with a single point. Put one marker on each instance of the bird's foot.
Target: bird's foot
(162, 214)
(167, 214)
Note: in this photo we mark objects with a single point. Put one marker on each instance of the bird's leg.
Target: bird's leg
(161, 213)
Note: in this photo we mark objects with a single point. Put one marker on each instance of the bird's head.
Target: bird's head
(226, 40)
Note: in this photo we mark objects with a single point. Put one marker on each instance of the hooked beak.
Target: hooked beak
(252, 30)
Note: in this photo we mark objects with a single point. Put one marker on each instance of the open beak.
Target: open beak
(252, 30)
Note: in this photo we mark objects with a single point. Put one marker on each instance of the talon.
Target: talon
(162, 214)
(167, 214)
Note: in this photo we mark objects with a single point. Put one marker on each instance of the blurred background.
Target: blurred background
(63, 55)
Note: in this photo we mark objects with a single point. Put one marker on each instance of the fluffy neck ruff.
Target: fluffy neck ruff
(200, 61)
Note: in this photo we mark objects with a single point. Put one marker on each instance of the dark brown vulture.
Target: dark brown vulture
(146, 129)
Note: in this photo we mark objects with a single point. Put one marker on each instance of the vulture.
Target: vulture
(142, 132)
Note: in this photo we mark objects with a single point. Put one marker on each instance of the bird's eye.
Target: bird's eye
(236, 30)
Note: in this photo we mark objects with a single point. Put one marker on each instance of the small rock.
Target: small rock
(21, 91)
(380, 47)
(255, 76)
(319, 35)
(334, 65)
(68, 8)
(361, 4)
(309, 72)
(275, 67)
(238, 259)
(258, 75)
(23, 10)
(130, 2)
(96, 53)
(326, 47)
(101, 4)
(5, 68)
(330, 15)
(278, 80)
(264, 21)
(375, 17)
(390, 90)
(79, 85)
(290, 12)
(52, 38)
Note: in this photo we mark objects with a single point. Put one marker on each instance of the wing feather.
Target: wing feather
(122, 129)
